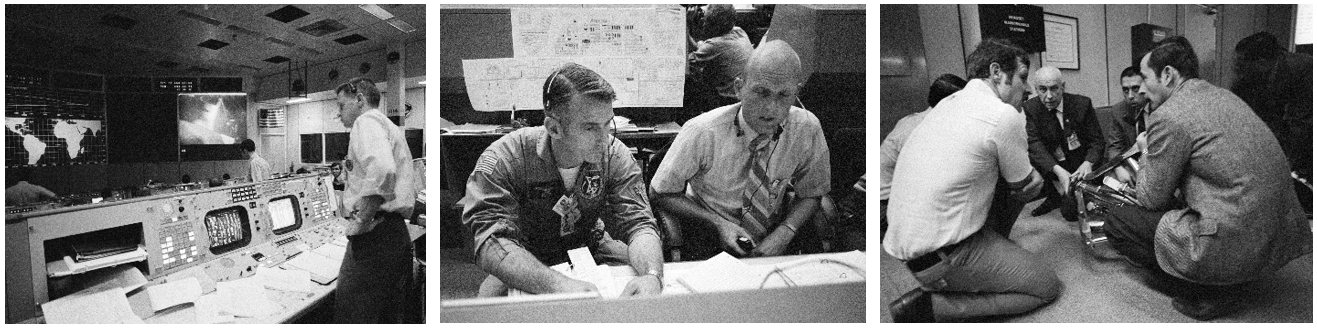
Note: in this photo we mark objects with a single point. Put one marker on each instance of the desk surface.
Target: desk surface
(295, 304)
(668, 129)
(844, 302)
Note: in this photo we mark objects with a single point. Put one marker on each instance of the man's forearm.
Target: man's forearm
(802, 210)
(645, 253)
(680, 205)
(366, 208)
(517, 268)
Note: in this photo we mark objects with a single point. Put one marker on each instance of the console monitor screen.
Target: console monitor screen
(284, 214)
(227, 229)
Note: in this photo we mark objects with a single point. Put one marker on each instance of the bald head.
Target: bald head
(1047, 74)
(1049, 85)
(769, 85)
(773, 60)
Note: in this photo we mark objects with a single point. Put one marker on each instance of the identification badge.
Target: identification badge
(1073, 141)
(566, 208)
(1059, 154)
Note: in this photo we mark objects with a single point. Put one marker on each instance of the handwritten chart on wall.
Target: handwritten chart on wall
(640, 52)
(572, 32)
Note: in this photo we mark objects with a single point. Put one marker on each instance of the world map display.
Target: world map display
(33, 141)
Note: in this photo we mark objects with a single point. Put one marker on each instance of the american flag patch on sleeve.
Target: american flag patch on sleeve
(486, 163)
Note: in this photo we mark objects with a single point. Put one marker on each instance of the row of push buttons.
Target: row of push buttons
(243, 194)
(180, 251)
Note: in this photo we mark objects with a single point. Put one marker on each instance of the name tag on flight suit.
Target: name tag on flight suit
(567, 209)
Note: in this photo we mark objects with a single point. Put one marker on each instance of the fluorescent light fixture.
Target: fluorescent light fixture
(295, 100)
(401, 25)
(377, 11)
(421, 82)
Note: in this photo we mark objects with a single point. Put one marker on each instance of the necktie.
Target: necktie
(758, 195)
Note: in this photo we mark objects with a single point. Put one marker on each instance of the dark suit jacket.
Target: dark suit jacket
(1243, 219)
(1122, 128)
(1045, 133)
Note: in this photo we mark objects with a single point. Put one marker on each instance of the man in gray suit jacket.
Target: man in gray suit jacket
(1219, 209)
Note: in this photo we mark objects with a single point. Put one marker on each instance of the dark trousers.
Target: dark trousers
(375, 273)
(1069, 208)
(986, 275)
(1132, 231)
(1004, 211)
(702, 241)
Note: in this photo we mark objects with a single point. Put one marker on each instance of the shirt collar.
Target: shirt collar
(542, 147)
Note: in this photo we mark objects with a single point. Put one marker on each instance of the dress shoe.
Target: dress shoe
(1203, 309)
(915, 306)
(1046, 207)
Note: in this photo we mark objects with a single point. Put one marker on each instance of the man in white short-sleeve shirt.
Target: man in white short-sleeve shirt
(379, 196)
(942, 190)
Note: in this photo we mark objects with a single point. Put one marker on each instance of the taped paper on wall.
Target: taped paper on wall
(572, 32)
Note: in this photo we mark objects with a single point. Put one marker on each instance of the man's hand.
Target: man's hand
(573, 285)
(1083, 170)
(1062, 179)
(774, 243)
(727, 233)
(1030, 190)
(644, 285)
(1123, 175)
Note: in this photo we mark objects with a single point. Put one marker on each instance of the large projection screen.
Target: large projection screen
(212, 119)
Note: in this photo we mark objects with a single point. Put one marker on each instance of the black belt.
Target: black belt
(921, 263)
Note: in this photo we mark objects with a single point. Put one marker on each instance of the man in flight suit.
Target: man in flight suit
(541, 191)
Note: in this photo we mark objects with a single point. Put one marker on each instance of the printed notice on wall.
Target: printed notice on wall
(597, 32)
(499, 84)
(640, 51)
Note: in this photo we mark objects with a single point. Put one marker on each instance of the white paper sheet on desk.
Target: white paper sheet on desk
(208, 309)
(207, 283)
(91, 307)
(721, 273)
(127, 277)
(472, 128)
(331, 250)
(316, 264)
(186, 314)
(286, 280)
(246, 298)
(173, 293)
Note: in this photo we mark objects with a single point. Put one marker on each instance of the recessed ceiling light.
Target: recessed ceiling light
(213, 44)
(287, 14)
(351, 39)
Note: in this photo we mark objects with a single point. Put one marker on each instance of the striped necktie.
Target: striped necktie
(758, 194)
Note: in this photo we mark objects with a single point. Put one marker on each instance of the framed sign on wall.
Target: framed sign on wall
(1062, 35)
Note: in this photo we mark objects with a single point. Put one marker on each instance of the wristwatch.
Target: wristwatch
(655, 274)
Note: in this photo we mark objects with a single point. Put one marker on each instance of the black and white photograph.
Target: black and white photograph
(215, 163)
(652, 163)
(1096, 163)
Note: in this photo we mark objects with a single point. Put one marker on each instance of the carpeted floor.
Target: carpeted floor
(1099, 289)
